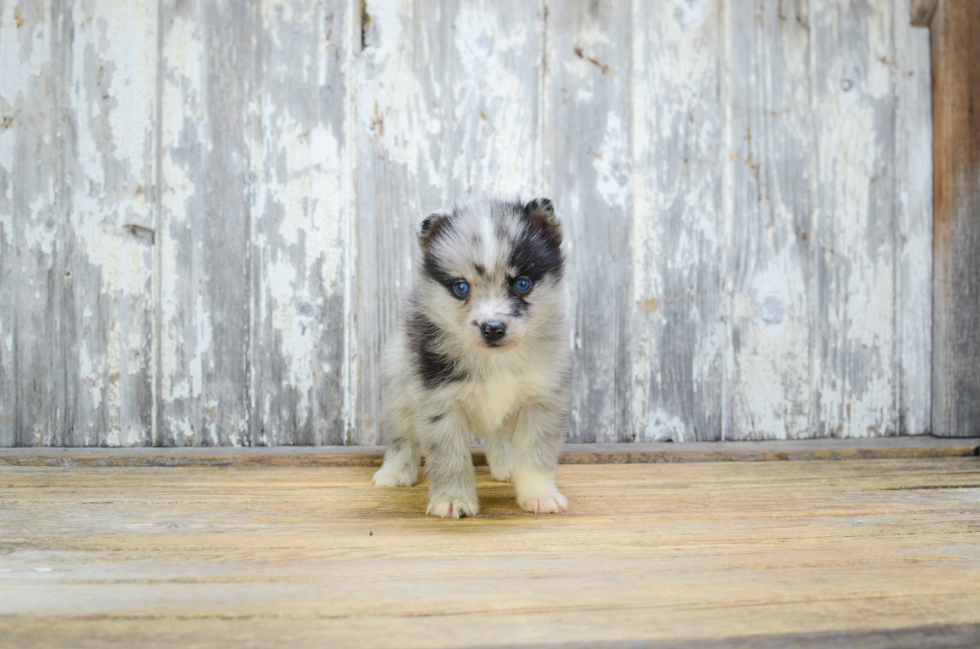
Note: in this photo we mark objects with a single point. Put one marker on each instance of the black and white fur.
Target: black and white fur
(493, 363)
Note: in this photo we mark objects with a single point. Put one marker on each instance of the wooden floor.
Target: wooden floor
(821, 553)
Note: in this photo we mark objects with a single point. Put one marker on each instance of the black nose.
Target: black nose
(494, 331)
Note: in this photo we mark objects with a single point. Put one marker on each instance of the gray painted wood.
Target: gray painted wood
(299, 206)
(208, 69)
(587, 160)
(253, 260)
(770, 134)
(853, 247)
(34, 408)
(76, 239)
(678, 358)
(913, 193)
(32, 386)
(110, 166)
(207, 213)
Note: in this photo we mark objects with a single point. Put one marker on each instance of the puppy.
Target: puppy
(482, 351)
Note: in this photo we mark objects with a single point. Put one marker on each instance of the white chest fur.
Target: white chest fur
(491, 400)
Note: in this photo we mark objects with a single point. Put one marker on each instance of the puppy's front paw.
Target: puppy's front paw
(386, 477)
(551, 502)
(452, 508)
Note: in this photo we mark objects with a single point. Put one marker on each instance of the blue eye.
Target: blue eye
(461, 288)
(522, 285)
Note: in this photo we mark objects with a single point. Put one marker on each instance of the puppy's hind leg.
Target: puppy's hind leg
(402, 458)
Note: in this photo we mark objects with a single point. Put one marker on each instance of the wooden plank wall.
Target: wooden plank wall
(956, 361)
(206, 209)
(77, 165)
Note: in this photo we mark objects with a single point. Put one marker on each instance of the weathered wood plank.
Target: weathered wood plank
(77, 240)
(924, 636)
(33, 391)
(678, 131)
(447, 107)
(294, 166)
(587, 128)
(110, 166)
(590, 453)
(387, 131)
(768, 272)
(299, 202)
(645, 556)
(853, 246)
(956, 156)
(913, 206)
(209, 59)
(921, 12)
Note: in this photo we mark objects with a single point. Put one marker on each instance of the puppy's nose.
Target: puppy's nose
(493, 331)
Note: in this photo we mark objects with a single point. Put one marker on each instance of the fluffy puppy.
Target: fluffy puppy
(482, 351)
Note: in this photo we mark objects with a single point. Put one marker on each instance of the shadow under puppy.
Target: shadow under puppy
(482, 351)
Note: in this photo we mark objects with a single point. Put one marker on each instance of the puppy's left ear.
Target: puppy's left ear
(541, 214)
(429, 227)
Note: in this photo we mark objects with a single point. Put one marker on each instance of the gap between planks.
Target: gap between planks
(796, 450)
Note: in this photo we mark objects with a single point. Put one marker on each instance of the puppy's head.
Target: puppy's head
(491, 270)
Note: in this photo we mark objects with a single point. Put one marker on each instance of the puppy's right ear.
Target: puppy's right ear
(543, 218)
(430, 227)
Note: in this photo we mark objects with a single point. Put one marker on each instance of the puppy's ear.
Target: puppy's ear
(541, 215)
(430, 227)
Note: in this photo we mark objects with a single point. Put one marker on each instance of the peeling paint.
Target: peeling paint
(676, 367)
(748, 220)
(610, 162)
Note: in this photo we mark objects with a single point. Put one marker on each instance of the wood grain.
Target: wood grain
(678, 360)
(686, 553)
(932, 636)
(587, 157)
(854, 355)
(956, 155)
(588, 453)
(109, 165)
(208, 68)
(206, 211)
(913, 196)
(299, 205)
(33, 407)
(921, 12)
(769, 223)
(77, 161)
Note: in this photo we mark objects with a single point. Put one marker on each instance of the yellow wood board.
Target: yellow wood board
(301, 556)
